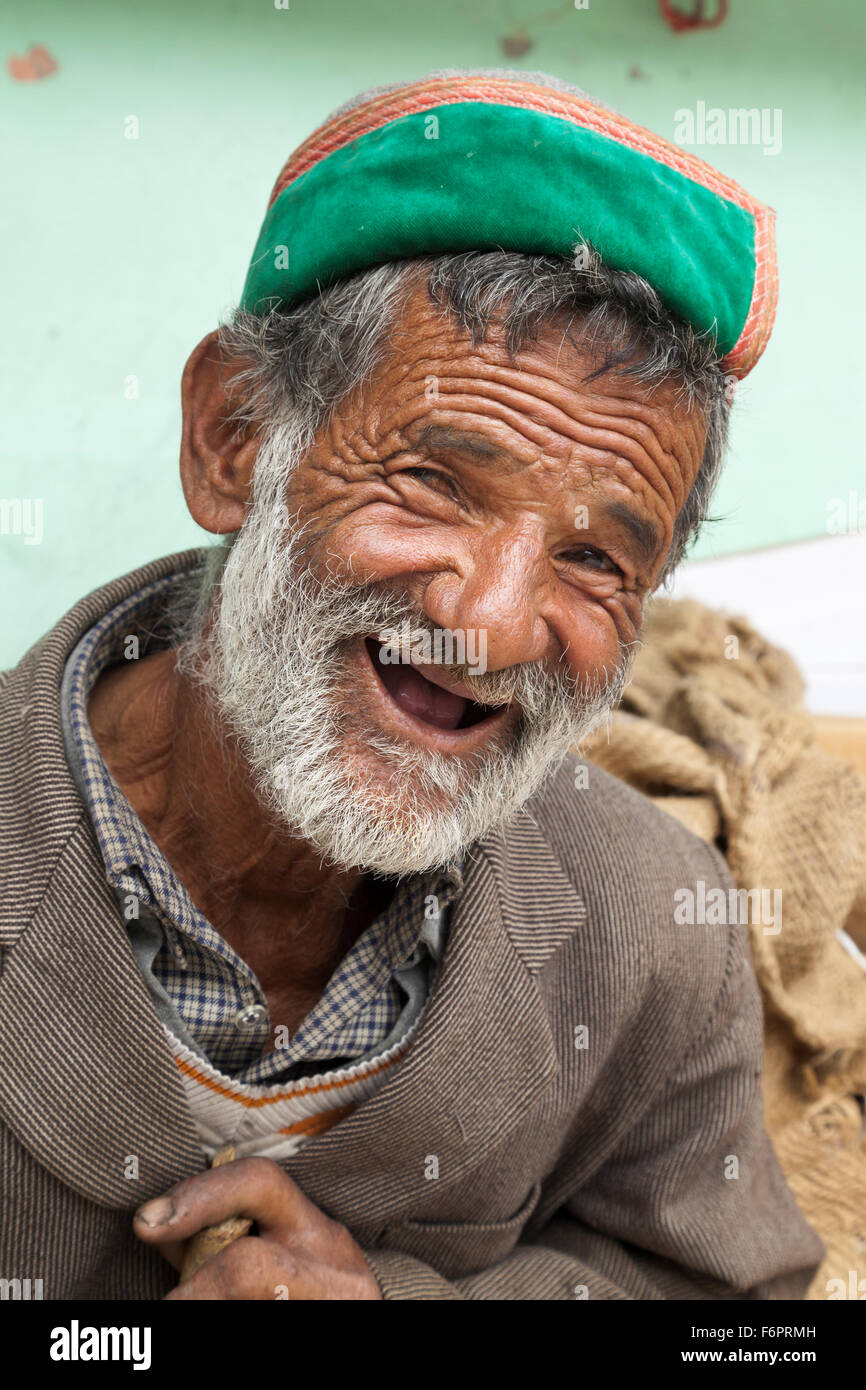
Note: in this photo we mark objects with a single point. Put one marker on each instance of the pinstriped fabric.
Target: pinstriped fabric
(34, 771)
(91, 1253)
(479, 980)
(534, 923)
(20, 888)
(406, 1278)
(526, 943)
(46, 1012)
(583, 1071)
(635, 896)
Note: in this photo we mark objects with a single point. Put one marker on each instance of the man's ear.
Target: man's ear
(216, 458)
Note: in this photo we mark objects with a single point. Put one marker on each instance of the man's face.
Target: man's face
(510, 521)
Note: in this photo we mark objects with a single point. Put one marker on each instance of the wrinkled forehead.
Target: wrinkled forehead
(565, 348)
(531, 427)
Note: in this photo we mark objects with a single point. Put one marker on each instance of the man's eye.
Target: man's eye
(593, 558)
(431, 477)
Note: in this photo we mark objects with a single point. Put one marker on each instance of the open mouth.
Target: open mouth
(427, 700)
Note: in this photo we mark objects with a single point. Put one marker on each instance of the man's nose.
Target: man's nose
(501, 588)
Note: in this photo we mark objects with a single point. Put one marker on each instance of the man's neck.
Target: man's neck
(291, 918)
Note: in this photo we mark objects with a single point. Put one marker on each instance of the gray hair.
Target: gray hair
(296, 364)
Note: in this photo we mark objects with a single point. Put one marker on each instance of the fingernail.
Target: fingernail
(157, 1213)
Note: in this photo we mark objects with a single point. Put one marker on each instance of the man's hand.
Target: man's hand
(298, 1253)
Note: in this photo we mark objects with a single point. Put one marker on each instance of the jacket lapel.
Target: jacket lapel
(484, 1054)
(86, 1080)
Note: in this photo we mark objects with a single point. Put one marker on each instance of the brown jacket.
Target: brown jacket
(587, 1075)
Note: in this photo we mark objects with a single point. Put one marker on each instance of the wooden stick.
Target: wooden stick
(212, 1239)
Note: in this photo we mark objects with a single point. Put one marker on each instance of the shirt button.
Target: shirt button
(250, 1017)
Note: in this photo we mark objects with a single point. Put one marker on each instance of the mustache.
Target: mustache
(490, 688)
(376, 608)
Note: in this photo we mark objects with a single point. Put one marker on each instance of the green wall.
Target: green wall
(120, 254)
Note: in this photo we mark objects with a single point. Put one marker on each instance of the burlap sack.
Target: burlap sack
(713, 729)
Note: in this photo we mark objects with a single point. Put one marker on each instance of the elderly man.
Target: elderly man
(296, 858)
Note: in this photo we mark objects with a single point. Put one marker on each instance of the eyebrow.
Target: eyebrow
(641, 530)
(459, 441)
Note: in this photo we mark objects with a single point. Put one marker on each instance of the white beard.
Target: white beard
(273, 665)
